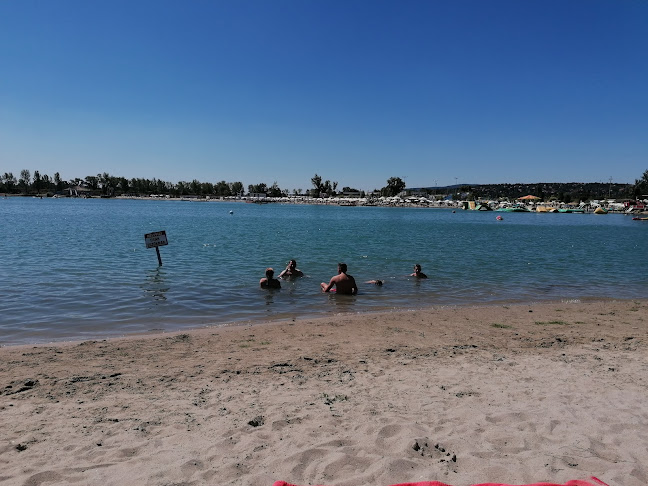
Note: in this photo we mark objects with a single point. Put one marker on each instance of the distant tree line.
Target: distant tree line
(106, 185)
(395, 185)
(554, 191)
(558, 191)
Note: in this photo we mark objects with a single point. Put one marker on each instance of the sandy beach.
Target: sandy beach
(517, 394)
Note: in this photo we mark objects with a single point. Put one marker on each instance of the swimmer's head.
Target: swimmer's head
(269, 272)
(379, 283)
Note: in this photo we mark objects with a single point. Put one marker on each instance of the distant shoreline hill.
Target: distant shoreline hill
(560, 190)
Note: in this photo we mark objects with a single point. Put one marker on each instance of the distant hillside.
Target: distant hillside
(563, 191)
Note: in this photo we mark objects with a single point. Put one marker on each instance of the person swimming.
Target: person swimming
(417, 272)
(291, 271)
(343, 283)
(269, 282)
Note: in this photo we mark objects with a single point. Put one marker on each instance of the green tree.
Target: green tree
(37, 183)
(58, 182)
(329, 188)
(122, 184)
(161, 187)
(195, 187)
(103, 181)
(107, 183)
(133, 186)
(222, 189)
(275, 191)
(260, 188)
(236, 188)
(181, 188)
(25, 180)
(9, 181)
(47, 183)
(316, 180)
(207, 188)
(93, 182)
(641, 186)
(395, 186)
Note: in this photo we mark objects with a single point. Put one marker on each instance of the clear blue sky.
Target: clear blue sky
(484, 91)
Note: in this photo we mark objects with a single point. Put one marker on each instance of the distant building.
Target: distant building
(416, 192)
(78, 191)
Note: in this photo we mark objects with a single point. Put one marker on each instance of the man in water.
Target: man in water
(417, 272)
(344, 284)
(291, 271)
(269, 282)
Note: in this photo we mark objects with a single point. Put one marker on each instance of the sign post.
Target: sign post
(156, 240)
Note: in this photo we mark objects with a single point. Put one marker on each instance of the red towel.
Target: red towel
(577, 482)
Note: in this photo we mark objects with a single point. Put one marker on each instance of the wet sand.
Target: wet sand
(517, 394)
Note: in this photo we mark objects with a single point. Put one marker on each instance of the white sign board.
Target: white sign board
(156, 239)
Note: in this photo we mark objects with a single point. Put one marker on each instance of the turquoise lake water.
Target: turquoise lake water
(79, 268)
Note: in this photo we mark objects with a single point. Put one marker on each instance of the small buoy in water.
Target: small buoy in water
(231, 212)
(499, 218)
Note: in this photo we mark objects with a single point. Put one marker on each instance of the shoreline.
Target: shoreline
(335, 201)
(86, 281)
(269, 321)
(514, 393)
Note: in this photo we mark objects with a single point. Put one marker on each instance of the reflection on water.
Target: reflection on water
(342, 302)
(269, 295)
(155, 286)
